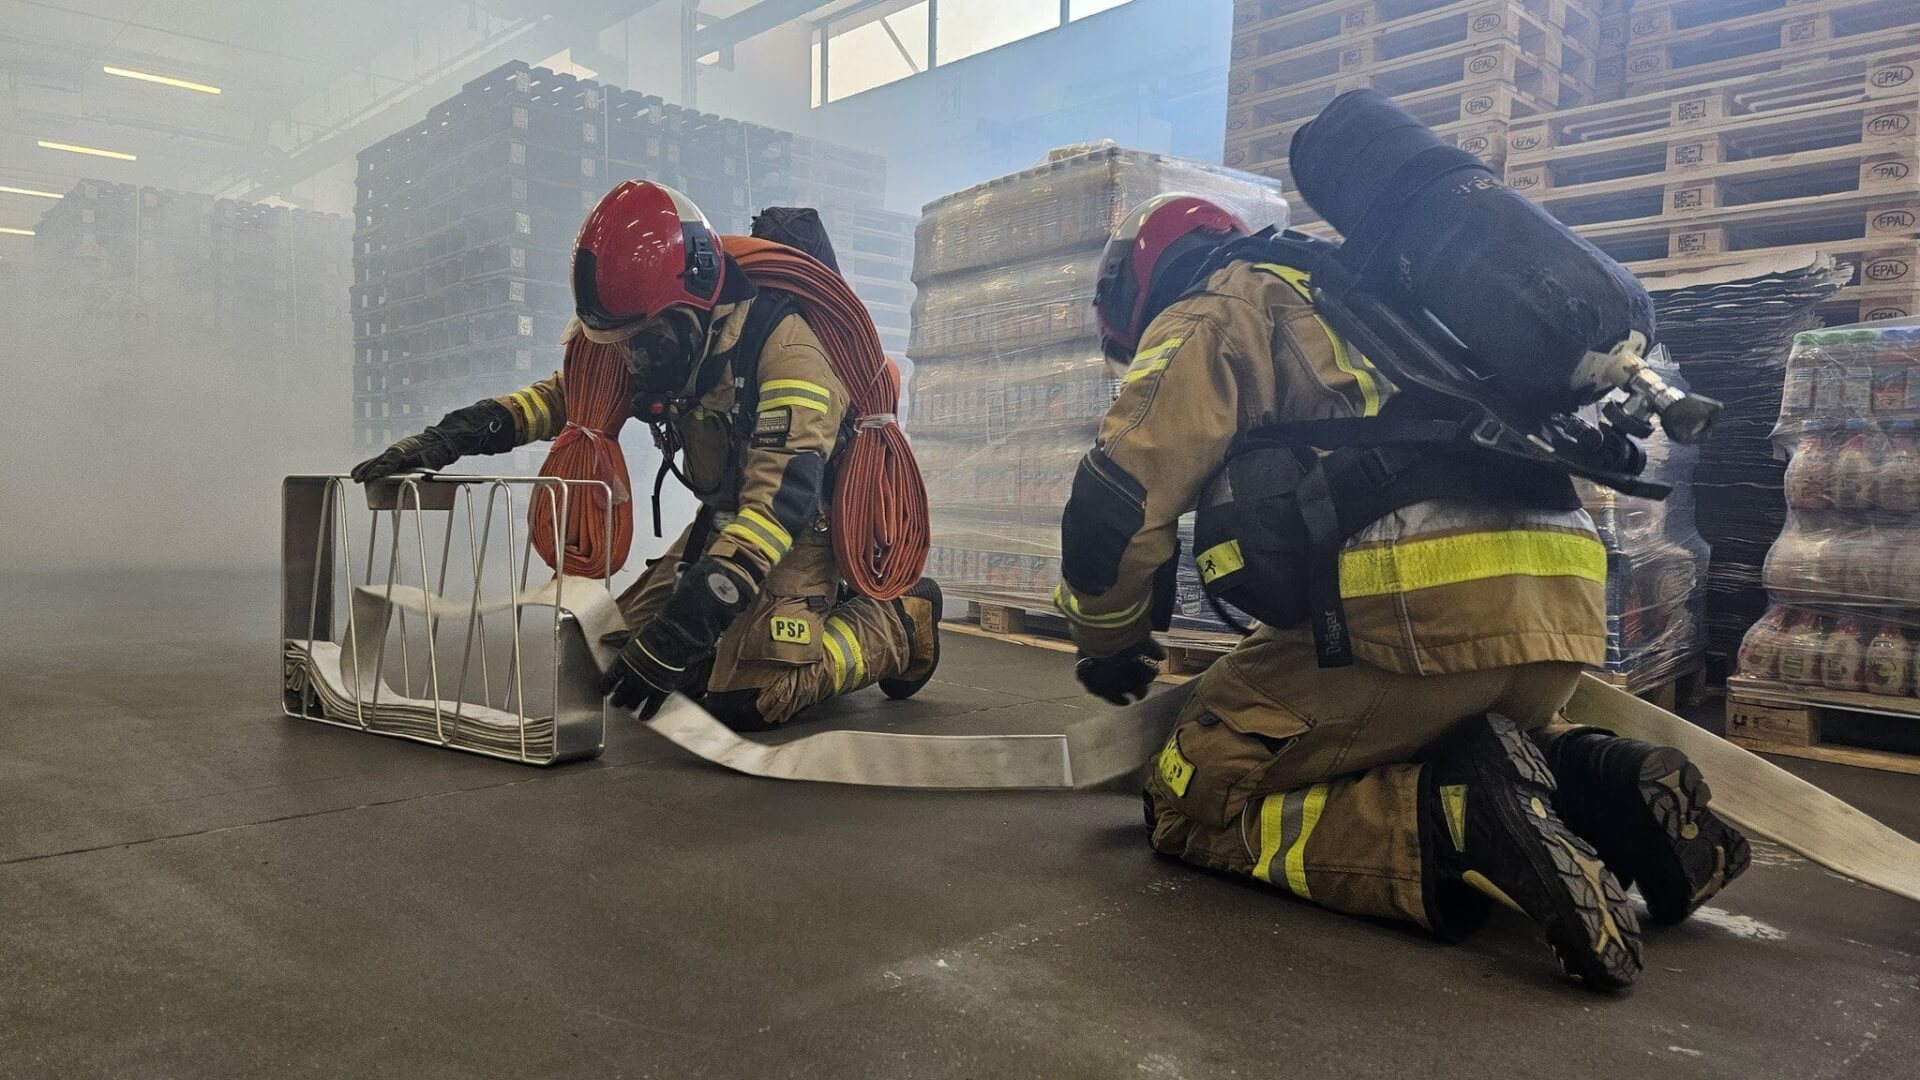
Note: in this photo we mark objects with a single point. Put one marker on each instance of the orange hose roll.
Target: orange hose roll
(593, 380)
(880, 530)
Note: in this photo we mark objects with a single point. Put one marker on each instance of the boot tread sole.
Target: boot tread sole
(1690, 854)
(1592, 930)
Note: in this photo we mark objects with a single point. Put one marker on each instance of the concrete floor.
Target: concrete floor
(193, 886)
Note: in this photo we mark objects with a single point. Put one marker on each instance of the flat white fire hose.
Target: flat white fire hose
(1760, 797)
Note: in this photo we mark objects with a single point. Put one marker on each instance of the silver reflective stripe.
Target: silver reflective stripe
(1435, 516)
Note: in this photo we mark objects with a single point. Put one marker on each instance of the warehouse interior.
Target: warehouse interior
(245, 246)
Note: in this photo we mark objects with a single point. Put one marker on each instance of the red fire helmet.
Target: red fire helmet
(643, 249)
(1134, 253)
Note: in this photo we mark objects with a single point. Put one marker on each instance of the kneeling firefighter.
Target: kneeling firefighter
(1428, 586)
(747, 606)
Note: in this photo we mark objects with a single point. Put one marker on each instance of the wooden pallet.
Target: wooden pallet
(1886, 268)
(1376, 31)
(1878, 165)
(1189, 652)
(1803, 722)
(1474, 117)
(1263, 17)
(1846, 219)
(1767, 41)
(1270, 95)
(1864, 304)
(1683, 688)
(1703, 129)
(1653, 21)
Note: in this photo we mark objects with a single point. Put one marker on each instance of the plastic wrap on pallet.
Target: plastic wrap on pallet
(1657, 567)
(1071, 203)
(1843, 577)
(1009, 385)
(1731, 337)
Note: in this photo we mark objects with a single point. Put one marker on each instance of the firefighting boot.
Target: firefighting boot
(1491, 828)
(1644, 808)
(919, 613)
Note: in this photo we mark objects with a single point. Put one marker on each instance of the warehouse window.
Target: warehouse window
(877, 45)
(969, 27)
(884, 41)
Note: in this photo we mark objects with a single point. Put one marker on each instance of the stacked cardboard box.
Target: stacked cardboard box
(1009, 384)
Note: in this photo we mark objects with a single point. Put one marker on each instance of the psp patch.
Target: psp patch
(792, 631)
(772, 427)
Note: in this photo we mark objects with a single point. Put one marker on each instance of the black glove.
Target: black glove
(640, 679)
(1122, 678)
(664, 655)
(485, 427)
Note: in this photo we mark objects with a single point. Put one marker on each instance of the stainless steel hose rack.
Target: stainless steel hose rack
(505, 662)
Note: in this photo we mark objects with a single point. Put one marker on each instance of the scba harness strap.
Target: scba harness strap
(1270, 535)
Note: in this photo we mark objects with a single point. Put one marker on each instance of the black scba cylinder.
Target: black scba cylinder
(1528, 298)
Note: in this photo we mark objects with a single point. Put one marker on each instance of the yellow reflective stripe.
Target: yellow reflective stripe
(1272, 819)
(853, 663)
(839, 659)
(796, 392)
(1355, 365)
(743, 532)
(1070, 607)
(797, 385)
(533, 409)
(1149, 361)
(1451, 560)
(773, 529)
(756, 529)
(1453, 800)
(1310, 810)
(1220, 560)
(795, 401)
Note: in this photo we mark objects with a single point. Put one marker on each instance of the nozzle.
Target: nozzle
(1686, 417)
(1690, 419)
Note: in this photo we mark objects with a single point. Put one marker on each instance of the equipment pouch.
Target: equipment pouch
(1249, 541)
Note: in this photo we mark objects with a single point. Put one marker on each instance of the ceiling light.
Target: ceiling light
(163, 80)
(72, 149)
(5, 190)
(15, 232)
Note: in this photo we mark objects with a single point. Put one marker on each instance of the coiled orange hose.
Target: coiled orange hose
(880, 528)
(593, 378)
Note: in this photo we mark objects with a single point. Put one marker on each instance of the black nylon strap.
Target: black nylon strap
(1332, 644)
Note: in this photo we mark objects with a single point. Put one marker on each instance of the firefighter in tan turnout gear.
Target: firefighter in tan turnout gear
(1385, 767)
(747, 605)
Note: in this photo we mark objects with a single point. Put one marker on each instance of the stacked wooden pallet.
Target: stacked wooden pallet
(1841, 726)
(1674, 43)
(1470, 69)
(1811, 158)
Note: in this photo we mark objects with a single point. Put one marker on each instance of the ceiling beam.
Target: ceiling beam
(752, 22)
